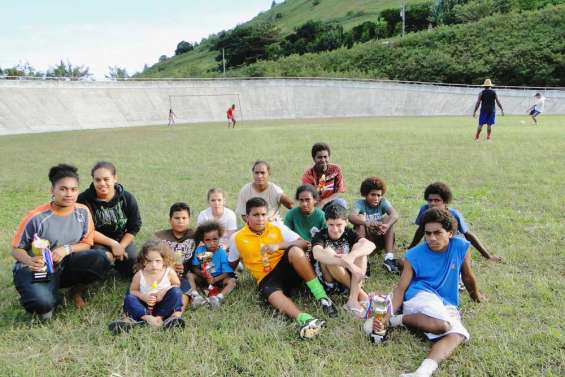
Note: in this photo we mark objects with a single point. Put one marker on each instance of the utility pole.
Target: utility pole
(224, 61)
(403, 15)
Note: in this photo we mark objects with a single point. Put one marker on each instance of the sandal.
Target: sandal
(357, 313)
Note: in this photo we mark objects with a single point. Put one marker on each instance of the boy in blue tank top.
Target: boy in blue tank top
(427, 291)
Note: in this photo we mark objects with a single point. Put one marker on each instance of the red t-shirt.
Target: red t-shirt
(330, 182)
(230, 112)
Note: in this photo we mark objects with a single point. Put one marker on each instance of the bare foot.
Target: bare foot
(153, 321)
(76, 294)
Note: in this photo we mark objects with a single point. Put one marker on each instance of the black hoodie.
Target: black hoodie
(116, 217)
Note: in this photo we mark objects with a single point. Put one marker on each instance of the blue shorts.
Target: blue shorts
(487, 118)
(535, 113)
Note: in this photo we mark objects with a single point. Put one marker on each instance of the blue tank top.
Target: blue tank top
(437, 272)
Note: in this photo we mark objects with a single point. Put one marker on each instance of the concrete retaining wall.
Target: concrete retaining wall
(42, 106)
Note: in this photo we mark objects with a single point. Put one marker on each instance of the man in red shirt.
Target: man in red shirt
(325, 177)
(231, 116)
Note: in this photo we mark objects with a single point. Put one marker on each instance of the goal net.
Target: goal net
(204, 107)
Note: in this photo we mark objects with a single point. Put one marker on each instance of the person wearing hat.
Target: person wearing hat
(487, 99)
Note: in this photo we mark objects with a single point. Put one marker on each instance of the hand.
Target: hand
(179, 268)
(382, 228)
(480, 298)
(379, 326)
(502, 112)
(494, 258)
(149, 298)
(270, 248)
(118, 251)
(160, 294)
(36, 264)
(58, 254)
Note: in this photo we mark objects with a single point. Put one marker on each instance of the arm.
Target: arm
(59, 252)
(498, 104)
(471, 237)
(34, 263)
(118, 250)
(362, 248)
(469, 279)
(175, 282)
(286, 201)
(134, 290)
(389, 220)
(477, 106)
(397, 295)
(357, 218)
(417, 237)
(273, 247)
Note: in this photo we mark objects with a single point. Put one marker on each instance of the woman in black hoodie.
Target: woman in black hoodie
(115, 214)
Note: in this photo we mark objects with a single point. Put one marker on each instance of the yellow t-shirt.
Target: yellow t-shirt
(246, 245)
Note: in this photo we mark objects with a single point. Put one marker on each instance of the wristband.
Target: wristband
(68, 249)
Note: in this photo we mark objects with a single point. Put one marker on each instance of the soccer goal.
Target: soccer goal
(204, 107)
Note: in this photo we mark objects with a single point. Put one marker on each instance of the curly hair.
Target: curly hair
(372, 183)
(207, 227)
(158, 246)
(320, 147)
(441, 189)
(438, 215)
(61, 171)
(307, 188)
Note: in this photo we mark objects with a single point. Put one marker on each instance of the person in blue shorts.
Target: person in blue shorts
(537, 108)
(426, 298)
(438, 195)
(487, 99)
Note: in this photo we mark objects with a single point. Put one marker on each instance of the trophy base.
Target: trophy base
(41, 277)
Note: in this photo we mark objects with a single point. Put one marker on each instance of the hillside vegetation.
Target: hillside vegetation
(515, 42)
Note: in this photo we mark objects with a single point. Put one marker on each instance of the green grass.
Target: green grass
(510, 192)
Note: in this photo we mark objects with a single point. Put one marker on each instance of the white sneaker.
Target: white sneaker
(215, 301)
(197, 300)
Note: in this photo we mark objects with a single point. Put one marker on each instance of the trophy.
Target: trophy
(40, 248)
(205, 262)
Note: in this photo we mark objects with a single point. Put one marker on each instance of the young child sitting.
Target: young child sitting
(341, 257)
(154, 296)
(210, 265)
(427, 291)
(180, 239)
(438, 195)
(374, 218)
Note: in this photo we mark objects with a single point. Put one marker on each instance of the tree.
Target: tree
(116, 72)
(162, 58)
(273, 4)
(246, 43)
(74, 72)
(21, 70)
(183, 47)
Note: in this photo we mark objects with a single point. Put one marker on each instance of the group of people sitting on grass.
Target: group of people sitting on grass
(93, 232)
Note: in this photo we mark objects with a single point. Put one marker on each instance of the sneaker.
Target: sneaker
(215, 301)
(123, 325)
(239, 267)
(391, 266)
(311, 328)
(173, 322)
(328, 307)
(197, 300)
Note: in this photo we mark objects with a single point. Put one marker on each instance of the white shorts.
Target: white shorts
(431, 305)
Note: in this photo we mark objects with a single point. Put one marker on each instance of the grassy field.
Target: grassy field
(511, 192)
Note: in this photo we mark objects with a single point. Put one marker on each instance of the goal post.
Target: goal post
(204, 107)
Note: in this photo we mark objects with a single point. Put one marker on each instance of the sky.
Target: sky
(103, 33)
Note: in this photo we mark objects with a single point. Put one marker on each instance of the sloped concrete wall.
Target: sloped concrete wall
(42, 106)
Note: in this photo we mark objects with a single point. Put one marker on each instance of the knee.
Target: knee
(443, 327)
(296, 252)
(40, 304)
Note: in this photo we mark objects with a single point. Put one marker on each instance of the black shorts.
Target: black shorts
(377, 239)
(282, 278)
